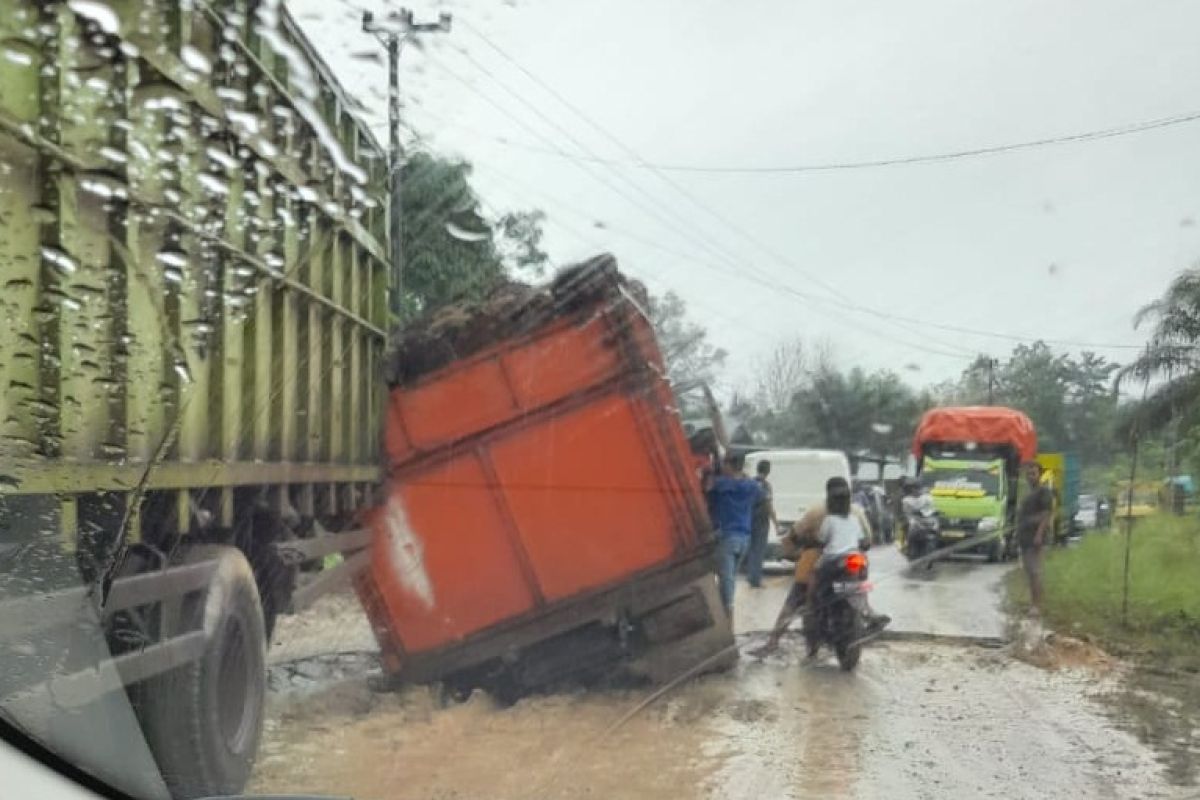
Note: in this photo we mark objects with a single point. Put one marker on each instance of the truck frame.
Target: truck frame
(195, 273)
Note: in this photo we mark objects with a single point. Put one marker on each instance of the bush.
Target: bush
(1083, 587)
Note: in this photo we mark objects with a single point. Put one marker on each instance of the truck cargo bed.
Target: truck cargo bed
(538, 487)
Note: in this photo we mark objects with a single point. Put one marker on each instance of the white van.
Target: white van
(798, 478)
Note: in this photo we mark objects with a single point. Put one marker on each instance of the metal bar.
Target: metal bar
(150, 587)
(329, 580)
(336, 413)
(511, 528)
(82, 687)
(646, 589)
(354, 418)
(301, 41)
(24, 615)
(69, 478)
(173, 70)
(320, 546)
(65, 157)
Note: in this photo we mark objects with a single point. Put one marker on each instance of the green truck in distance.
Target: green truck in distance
(970, 458)
(971, 497)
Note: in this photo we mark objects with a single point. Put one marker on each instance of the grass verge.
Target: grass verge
(1083, 590)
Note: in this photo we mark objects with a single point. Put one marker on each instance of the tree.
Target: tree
(691, 359)
(1067, 397)
(450, 251)
(804, 400)
(780, 375)
(520, 243)
(1172, 355)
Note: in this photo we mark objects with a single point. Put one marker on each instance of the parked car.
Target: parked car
(1088, 515)
(798, 478)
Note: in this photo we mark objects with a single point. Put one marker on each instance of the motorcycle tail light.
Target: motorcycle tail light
(855, 563)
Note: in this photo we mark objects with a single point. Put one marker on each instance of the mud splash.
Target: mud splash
(916, 720)
(350, 741)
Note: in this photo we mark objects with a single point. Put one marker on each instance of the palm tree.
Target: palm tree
(1171, 357)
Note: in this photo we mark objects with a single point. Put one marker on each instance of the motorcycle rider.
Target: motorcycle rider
(840, 533)
(805, 533)
(916, 505)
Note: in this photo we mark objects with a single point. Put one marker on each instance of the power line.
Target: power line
(662, 210)
(689, 196)
(690, 235)
(722, 270)
(844, 166)
(842, 299)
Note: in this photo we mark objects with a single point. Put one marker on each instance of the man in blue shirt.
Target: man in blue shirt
(732, 497)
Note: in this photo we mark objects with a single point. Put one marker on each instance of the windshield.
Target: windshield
(460, 399)
(963, 479)
(962, 483)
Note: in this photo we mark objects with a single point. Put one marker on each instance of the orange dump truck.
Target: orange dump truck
(539, 517)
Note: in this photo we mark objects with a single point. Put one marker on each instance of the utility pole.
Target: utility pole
(991, 368)
(392, 31)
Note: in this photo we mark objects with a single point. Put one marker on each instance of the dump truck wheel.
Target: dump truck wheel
(203, 720)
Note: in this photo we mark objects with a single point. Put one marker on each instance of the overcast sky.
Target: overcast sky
(1062, 242)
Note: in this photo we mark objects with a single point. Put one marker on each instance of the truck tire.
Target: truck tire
(203, 720)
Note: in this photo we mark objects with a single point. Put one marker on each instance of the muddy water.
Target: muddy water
(916, 720)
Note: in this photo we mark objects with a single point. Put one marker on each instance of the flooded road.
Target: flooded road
(917, 719)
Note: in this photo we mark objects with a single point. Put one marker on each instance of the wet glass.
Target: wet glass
(376, 385)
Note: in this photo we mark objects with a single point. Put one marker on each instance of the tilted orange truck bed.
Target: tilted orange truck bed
(528, 484)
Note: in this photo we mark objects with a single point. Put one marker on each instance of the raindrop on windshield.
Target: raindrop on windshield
(60, 260)
(100, 13)
(195, 60)
(464, 235)
(18, 57)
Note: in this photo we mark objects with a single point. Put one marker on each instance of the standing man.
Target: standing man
(760, 524)
(1033, 521)
(732, 497)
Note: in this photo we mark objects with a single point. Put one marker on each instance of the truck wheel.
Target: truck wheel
(203, 720)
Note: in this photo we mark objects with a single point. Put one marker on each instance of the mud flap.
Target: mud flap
(686, 632)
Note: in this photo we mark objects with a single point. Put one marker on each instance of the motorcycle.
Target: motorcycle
(839, 616)
(923, 530)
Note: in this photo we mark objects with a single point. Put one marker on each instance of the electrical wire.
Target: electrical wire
(845, 302)
(692, 234)
(719, 268)
(841, 166)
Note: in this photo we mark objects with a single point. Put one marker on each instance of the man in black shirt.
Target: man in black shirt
(1033, 525)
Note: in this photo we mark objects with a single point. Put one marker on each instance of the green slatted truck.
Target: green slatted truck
(193, 283)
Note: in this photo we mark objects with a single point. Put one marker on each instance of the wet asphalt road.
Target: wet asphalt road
(917, 719)
(960, 597)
